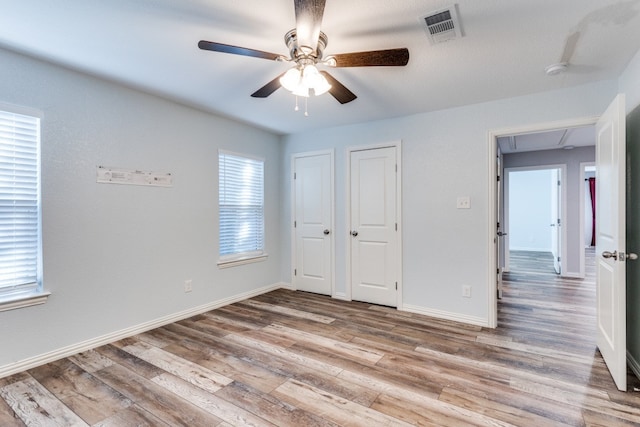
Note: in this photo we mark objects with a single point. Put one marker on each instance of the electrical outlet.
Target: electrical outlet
(466, 291)
(463, 202)
(188, 285)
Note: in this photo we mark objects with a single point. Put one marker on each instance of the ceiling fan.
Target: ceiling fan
(306, 45)
(567, 53)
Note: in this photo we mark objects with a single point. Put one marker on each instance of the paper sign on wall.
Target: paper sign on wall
(107, 175)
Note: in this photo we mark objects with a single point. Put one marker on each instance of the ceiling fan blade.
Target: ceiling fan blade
(373, 58)
(268, 89)
(570, 47)
(236, 50)
(338, 90)
(308, 22)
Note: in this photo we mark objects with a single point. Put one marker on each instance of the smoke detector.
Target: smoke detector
(442, 25)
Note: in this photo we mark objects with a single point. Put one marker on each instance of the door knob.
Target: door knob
(500, 233)
(354, 233)
(607, 254)
(326, 231)
(631, 256)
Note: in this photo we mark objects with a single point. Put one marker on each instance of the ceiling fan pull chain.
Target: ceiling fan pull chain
(296, 109)
(306, 113)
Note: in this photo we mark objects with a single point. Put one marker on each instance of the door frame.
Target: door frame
(398, 146)
(492, 147)
(563, 209)
(294, 156)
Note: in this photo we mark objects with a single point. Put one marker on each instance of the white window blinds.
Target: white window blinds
(241, 206)
(19, 207)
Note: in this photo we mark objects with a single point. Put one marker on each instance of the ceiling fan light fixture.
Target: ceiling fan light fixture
(291, 79)
(301, 90)
(321, 87)
(312, 79)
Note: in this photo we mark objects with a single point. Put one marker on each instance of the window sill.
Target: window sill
(242, 261)
(21, 301)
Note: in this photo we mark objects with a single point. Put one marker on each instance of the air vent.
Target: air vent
(443, 25)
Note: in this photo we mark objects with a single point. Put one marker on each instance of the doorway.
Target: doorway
(534, 206)
(610, 234)
(551, 140)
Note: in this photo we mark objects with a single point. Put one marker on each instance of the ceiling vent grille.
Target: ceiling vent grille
(442, 25)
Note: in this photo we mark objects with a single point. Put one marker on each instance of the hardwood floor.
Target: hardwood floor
(296, 359)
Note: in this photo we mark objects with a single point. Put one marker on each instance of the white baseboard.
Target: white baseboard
(288, 286)
(633, 364)
(446, 315)
(32, 362)
(572, 275)
(341, 296)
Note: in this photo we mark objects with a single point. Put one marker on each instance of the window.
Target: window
(241, 201)
(20, 249)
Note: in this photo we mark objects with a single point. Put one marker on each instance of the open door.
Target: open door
(555, 224)
(499, 233)
(610, 240)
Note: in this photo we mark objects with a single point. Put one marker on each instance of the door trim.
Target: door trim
(563, 210)
(492, 146)
(332, 208)
(398, 146)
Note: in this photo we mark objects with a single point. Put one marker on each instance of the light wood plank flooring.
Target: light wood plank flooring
(296, 359)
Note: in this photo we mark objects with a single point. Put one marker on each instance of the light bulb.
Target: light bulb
(322, 86)
(312, 78)
(291, 79)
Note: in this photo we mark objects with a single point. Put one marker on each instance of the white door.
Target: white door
(373, 226)
(499, 233)
(313, 264)
(555, 218)
(610, 240)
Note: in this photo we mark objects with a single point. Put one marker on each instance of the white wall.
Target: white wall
(445, 155)
(529, 210)
(116, 256)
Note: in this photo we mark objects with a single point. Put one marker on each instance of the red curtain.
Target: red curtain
(592, 191)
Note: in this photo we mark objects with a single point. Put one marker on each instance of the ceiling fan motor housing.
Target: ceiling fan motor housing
(305, 52)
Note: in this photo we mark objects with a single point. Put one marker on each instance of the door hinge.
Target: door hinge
(396, 226)
(558, 183)
(498, 178)
(497, 271)
(295, 224)
(295, 272)
(294, 175)
(396, 167)
(396, 286)
(558, 259)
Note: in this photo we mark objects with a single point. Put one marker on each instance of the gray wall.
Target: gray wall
(574, 189)
(116, 256)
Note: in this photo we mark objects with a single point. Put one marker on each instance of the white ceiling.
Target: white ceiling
(550, 140)
(152, 45)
